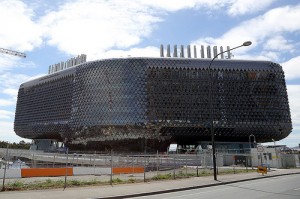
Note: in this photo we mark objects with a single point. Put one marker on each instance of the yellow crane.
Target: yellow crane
(12, 52)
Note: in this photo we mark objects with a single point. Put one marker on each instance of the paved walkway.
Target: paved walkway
(117, 191)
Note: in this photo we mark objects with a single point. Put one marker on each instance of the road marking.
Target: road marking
(297, 189)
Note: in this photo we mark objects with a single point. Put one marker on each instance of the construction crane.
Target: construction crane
(12, 52)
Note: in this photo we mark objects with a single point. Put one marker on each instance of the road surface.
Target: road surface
(282, 187)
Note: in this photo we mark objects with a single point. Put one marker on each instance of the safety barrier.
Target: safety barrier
(45, 172)
(70, 171)
(10, 173)
(77, 171)
(126, 170)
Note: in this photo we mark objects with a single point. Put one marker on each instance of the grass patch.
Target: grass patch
(17, 185)
(49, 184)
(204, 173)
(53, 184)
(116, 181)
(131, 180)
(162, 177)
(184, 174)
(235, 171)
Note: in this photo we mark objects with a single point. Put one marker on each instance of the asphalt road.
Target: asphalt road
(282, 187)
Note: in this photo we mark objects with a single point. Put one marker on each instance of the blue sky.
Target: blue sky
(53, 31)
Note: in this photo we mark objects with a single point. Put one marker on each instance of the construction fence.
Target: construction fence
(139, 167)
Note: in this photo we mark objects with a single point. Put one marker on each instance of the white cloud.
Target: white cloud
(9, 80)
(18, 31)
(278, 43)
(292, 68)
(233, 7)
(4, 114)
(241, 7)
(294, 96)
(134, 52)
(260, 30)
(271, 55)
(10, 92)
(177, 5)
(7, 133)
(278, 20)
(293, 138)
(93, 27)
(7, 102)
(291, 141)
(7, 62)
(9, 85)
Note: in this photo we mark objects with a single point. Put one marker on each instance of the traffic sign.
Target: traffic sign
(260, 148)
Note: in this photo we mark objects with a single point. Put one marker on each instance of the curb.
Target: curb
(218, 183)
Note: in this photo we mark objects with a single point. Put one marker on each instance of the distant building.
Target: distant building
(147, 103)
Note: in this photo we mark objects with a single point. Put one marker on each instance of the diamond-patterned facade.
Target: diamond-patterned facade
(135, 103)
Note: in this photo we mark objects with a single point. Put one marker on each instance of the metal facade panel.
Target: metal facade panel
(116, 101)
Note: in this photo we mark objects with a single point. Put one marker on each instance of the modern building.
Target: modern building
(139, 104)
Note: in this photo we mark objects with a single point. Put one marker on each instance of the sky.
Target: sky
(53, 31)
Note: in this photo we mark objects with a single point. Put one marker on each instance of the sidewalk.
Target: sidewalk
(139, 189)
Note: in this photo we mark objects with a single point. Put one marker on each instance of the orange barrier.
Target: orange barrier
(119, 170)
(45, 172)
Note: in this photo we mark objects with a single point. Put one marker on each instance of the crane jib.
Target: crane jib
(12, 52)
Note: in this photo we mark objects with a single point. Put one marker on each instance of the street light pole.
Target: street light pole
(247, 43)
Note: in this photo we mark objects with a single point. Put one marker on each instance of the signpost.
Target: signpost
(261, 169)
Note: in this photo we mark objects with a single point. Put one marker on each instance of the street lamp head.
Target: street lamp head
(247, 43)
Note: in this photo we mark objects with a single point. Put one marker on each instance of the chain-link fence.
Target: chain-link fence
(136, 167)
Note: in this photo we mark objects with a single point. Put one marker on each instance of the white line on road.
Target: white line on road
(297, 189)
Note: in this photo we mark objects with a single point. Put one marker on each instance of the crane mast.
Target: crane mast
(12, 52)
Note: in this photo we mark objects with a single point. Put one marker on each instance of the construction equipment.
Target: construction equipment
(12, 52)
